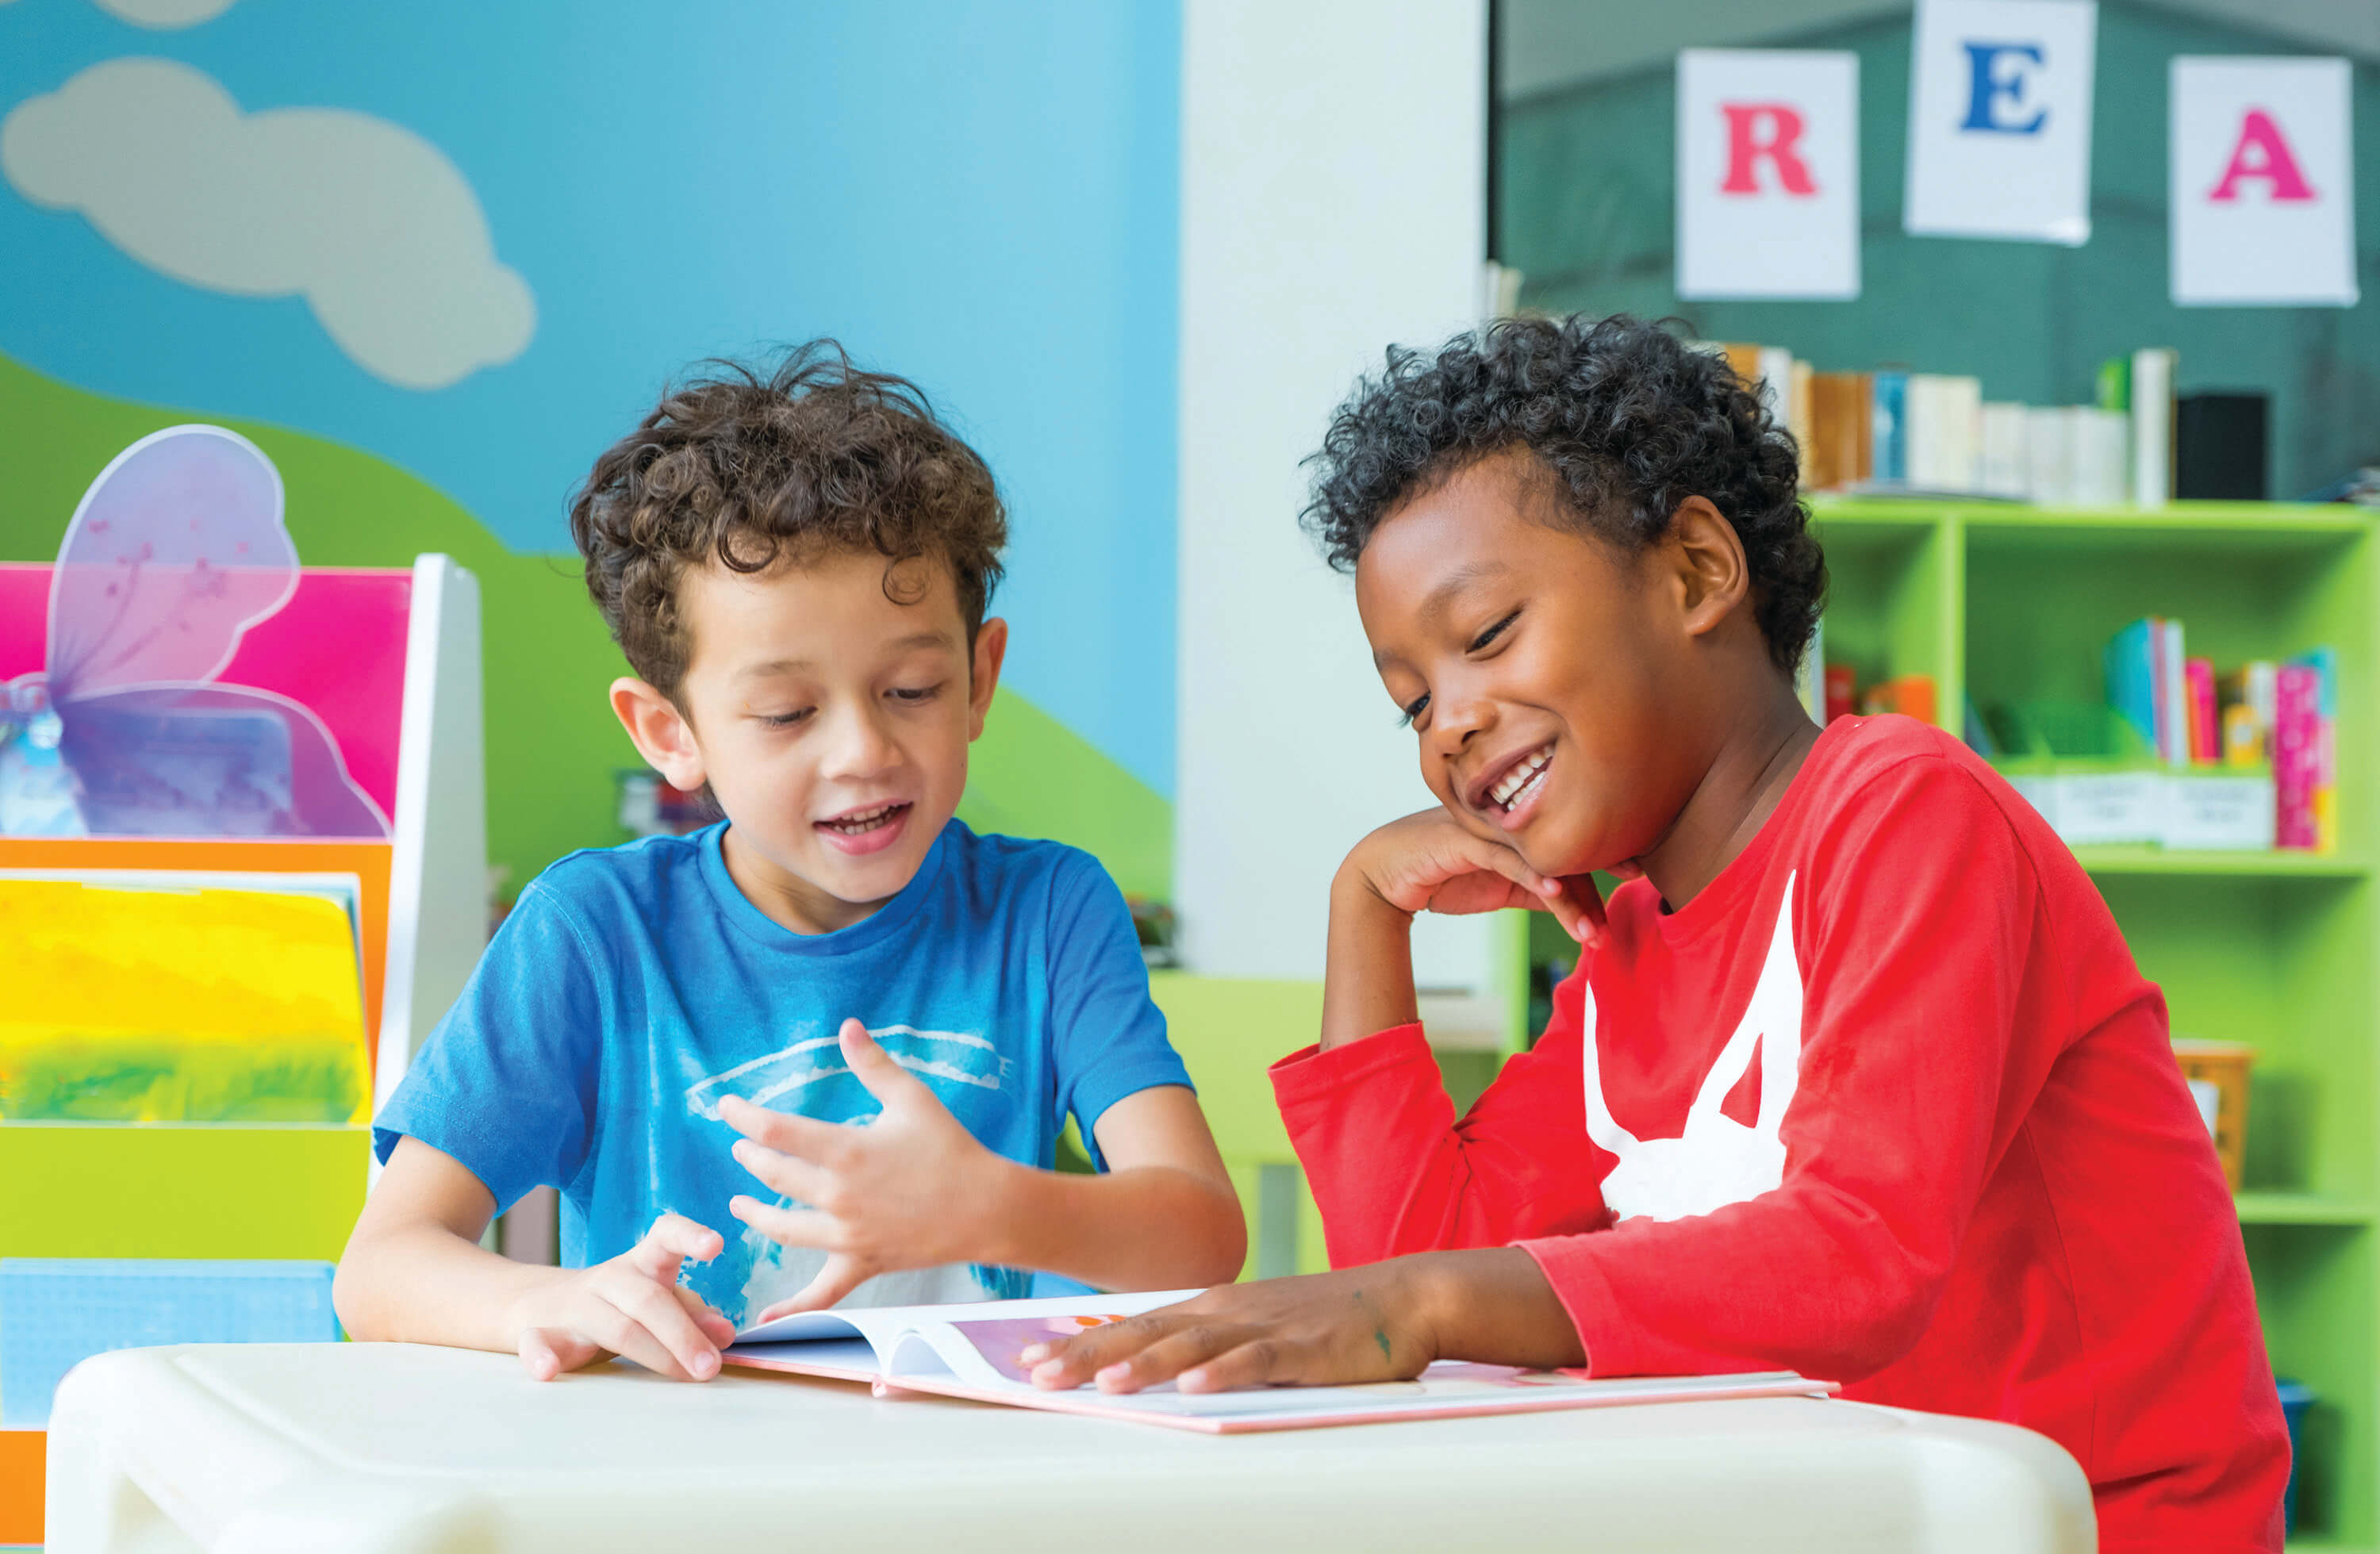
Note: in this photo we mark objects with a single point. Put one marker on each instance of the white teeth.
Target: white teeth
(853, 825)
(1524, 775)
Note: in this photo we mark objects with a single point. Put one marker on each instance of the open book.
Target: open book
(971, 1351)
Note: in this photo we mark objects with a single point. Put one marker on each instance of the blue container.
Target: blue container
(2296, 1398)
(56, 1312)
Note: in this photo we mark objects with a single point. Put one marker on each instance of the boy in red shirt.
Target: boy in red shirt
(1856, 1075)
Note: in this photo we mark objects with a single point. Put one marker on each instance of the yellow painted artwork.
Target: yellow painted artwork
(178, 1006)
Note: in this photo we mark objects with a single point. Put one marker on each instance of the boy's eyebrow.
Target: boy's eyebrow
(1435, 603)
(785, 666)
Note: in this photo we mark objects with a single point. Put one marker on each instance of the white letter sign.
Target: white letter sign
(1767, 174)
(2263, 183)
(1999, 119)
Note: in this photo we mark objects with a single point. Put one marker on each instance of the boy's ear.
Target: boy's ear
(990, 647)
(660, 731)
(1711, 571)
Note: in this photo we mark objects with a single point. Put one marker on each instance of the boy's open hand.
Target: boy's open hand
(910, 1189)
(1358, 1325)
(632, 1306)
(1428, 862)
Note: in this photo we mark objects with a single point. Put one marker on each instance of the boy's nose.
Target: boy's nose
(860, 746)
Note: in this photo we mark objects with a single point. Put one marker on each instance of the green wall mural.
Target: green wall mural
(553, 745)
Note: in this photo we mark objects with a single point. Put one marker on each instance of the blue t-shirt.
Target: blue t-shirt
(631, 988)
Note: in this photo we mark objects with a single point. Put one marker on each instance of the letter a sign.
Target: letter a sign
(2263, 183)
(1767, 174)
(1999, 119)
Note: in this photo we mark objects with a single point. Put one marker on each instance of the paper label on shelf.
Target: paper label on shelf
(1767, 174)
(1999, 120)
(2262, 186)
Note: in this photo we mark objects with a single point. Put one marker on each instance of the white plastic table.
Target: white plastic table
(397, 1449)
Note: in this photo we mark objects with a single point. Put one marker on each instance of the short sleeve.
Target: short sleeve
(1108, 1036)
(506, 1083)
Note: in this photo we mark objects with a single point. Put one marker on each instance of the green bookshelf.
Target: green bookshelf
(2279, 950)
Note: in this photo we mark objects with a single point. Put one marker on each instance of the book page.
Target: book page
(925, 1339)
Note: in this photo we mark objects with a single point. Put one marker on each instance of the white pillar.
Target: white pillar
(1333, 182)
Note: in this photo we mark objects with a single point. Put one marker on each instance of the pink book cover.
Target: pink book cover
(2205, 731)
(971, 1353)
(2297, 755)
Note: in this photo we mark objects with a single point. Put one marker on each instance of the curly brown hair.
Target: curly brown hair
(818, 456)
(1629, 421)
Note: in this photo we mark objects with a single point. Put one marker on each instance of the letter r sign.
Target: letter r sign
(1765, 129)
(1768, 173)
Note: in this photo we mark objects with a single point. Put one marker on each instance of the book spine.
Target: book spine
(2297, 756)
(1889, 450)
(2132, 683)
(2175, 685)
(2152, 418)
(2205, 731)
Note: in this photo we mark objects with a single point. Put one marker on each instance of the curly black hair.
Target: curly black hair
(1628, 419)
(742, 468)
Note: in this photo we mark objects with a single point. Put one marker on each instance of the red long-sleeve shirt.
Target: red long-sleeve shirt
(1887, 1103)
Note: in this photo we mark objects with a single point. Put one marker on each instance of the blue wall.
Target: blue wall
(981, 195)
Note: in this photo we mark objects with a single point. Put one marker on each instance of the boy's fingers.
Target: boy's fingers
(1257, 1362)
(839, 1278)
(657, 1310)
(547, 1351)
(874, 1067)
(1504, 861)
(1072, 1361)
(715, 1327)
(781, 1131)
(673, 1239)
(788, 1174)
(1170, 1357)
(789, 1227)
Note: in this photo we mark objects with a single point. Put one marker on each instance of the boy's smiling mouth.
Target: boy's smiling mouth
(868, 830)
(1509, 792)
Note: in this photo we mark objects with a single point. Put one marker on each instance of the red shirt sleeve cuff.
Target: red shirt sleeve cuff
(1571, 1266)
(1311, 1073)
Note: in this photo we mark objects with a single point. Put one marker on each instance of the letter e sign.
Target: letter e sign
(1999, 120)
(2262, 183)
(1767, 174)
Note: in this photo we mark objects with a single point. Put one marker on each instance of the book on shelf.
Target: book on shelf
(2305, 750)
(972, 1351)
(1944, 423)
(2206, 739)
(1887, 390)
(1843, 430)
(2151, 411)
(2218, 441)
(2002, 472)
(2129, 667)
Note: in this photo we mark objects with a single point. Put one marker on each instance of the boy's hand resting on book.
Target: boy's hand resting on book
(889, 1195)
(632, 1306)
(1383, 1322)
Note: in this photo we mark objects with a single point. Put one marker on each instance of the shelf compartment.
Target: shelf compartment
(2277, 864)
(2303, 1209)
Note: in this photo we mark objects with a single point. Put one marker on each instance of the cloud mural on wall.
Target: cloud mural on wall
(371, 223)
(165, 15)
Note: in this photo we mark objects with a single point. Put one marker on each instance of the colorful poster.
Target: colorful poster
(1999, 120)
(1767, 174)
(2263, 183)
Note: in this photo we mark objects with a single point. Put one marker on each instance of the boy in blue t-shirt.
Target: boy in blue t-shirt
(895, 1013)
